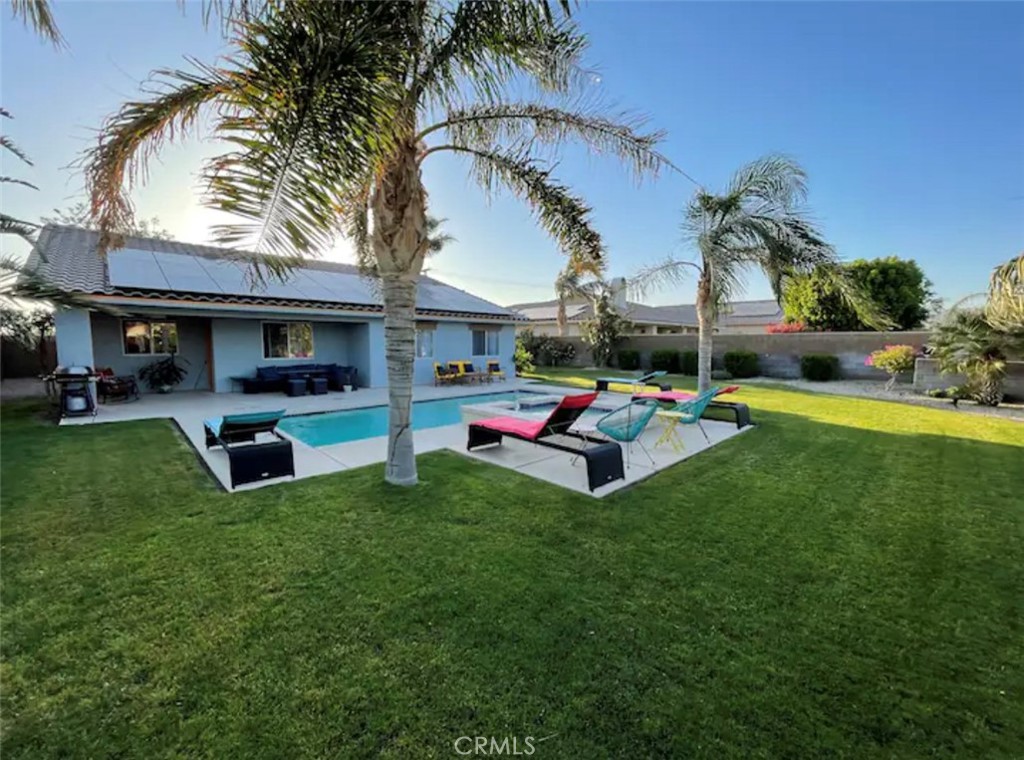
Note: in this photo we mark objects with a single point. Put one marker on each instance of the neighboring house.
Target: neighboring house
(741, 317)
(197, 301)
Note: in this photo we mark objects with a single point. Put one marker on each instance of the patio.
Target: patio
(188, 409)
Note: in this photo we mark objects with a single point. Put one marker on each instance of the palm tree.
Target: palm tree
(332, 108)
(967, 343)
(757, 223)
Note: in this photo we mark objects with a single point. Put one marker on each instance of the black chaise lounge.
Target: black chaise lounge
(604, 460)
(254, 461)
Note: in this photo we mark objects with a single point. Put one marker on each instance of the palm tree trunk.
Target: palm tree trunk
(705, 327)
(400, 240)
(399, 351)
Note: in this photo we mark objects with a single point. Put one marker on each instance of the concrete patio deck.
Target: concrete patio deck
(188, 409)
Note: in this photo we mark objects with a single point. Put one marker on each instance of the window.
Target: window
(287, 340)
(485, 342)
(424, 342)
(144, 338)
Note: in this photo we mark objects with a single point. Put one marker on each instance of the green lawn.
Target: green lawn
(847, 580)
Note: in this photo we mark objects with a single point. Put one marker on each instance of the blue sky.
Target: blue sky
(909, 118)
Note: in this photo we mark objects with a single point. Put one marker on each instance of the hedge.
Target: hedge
(666, 360)
(629, 359)
(742, 363)
(820, 367)
(688, 363)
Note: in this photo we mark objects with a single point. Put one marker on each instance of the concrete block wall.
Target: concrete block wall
(779, 354)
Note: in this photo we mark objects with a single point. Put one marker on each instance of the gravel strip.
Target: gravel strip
(901, 393)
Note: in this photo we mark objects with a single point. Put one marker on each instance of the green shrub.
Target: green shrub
(721, 374)
(742, 363)
(688, 363)
(629, 359)
(523, 357)
(820, 367)
(666, 359)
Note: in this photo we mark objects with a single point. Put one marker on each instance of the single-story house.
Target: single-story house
(197, 301)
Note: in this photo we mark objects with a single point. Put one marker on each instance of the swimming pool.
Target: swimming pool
(356, 424)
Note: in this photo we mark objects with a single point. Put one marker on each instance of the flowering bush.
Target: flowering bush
(895, 360)
(785, 327)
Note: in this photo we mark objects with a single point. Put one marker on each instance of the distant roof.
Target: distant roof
(67, 258)
(736, 314)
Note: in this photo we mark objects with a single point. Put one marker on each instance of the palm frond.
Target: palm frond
(37, 14)
(522, 126)
(308, 128)
(8, 144)
(487, 43)
(1005, 307)
(16, 181)
(665, 274)
(436, 238)
(776, 180)
(11, 226)
(564, 216)
(133, 136)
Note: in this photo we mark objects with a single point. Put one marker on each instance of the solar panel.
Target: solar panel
(229, 276)
(186, 273)
(132, 268)
(347, 288)
(436, 295)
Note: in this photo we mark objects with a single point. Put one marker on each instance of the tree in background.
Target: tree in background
(896, 287)
(330, 109)
(757, 223)
(79, 215)
(605, 329)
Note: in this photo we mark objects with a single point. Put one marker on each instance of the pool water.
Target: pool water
(356, 424)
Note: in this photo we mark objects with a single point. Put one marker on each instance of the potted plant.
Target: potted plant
(163, 374)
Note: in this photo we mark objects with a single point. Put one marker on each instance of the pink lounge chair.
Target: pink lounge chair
(604, 461)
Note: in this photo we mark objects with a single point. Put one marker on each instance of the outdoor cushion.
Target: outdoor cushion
(513, 426)
(268, 373)
(252, 418)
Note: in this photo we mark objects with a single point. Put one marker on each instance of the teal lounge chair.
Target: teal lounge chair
(685, 413)
(256, 461)
(636, 382)
(625, 425)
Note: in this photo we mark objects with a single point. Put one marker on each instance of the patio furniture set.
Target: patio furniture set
(465, 372)
(623, 425)
(298, 379)
(597, 442)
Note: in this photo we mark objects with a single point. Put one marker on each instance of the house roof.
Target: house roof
(736, 314)
(67, 258)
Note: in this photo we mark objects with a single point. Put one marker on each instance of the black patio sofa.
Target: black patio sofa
(273, 378)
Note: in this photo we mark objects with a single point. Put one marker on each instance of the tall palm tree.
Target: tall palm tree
(757, 223)
(332, 108)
